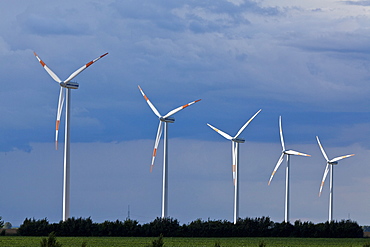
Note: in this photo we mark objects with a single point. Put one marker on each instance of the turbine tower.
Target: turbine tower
(235, 157)
(163, 119)
(65, 87)
(287, 170)
(329, 164)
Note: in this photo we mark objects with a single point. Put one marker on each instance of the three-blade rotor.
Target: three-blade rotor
(166, 118)
(235, 141)
(333, 161)
(284, 152)
(64, 84)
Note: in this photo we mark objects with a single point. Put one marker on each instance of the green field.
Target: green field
(15, 241)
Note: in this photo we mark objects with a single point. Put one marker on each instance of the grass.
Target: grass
(16, 241)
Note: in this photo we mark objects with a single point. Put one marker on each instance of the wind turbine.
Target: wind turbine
(329, 163)
(287, 153)
(163, 119)
(235, 156)
(65, 87)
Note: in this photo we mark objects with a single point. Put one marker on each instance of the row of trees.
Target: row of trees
(169, 227)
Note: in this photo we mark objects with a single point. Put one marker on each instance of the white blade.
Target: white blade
(59, 113)
(246, 124)
(74, 74)
(281, 134)
(324, 177)
(322, 149)
(292, 152)
(234, 155)
(277, 167)
(227, 136)
(50, 72)
(180, 108)
(341, 157)
(157, 140)
(150, 104)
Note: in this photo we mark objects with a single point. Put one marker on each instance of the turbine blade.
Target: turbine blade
(246, 124)
(341, 157)
(276, 167)
(322, 149)
(292, 152)
(227, 136)
(50, 72)
(150, 104)
(281, 134)
(59, 113)
(157, 140)
(74, 74)
(180, 108)
(324, 177)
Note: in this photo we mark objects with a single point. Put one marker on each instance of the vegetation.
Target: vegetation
(1, 222)
(217, 244)
(19, 241)
(157, 242)
(50, 242)
(248, 227)
(7, 225)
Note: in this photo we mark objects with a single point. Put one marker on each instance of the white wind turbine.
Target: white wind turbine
(287, 153)
(235, 157)
(65, 85)
(329, 163)
(163, 119)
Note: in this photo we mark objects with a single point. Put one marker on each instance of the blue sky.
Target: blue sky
(305, 60)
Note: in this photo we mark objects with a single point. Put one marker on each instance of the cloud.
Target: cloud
(241, 59)
(360, 3)
(51, 25)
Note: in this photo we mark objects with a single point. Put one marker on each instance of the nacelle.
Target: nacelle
(333, 163)
(239, 140)
(167, 120)
(70, 84)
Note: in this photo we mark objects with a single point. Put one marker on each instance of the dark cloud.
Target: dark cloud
(199, 17)
(51, 25)
(360, 3)
(337, 43)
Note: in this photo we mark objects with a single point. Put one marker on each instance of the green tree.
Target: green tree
(1, 222)
(166, 226)
(7, 225)
(32, 227)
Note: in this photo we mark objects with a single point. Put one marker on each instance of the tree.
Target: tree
(1, 222)
(7, 225)
(165, 226)
(32, 227)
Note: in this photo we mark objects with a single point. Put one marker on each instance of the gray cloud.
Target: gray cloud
(360, 3)
(51, 25)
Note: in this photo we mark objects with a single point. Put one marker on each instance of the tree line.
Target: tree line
(169, 227)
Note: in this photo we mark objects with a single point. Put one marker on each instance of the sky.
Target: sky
(307, 61)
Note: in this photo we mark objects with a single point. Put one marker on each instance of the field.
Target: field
(16, 241)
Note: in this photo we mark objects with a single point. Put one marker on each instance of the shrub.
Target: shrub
(158, 242)
(50, 242)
